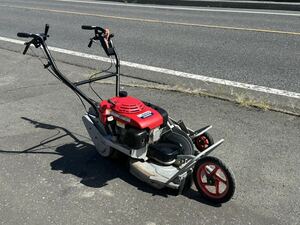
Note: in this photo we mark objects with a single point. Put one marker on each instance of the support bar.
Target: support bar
(191, 162)
(94, 79)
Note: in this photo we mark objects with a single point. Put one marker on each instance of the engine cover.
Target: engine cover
(130, 110)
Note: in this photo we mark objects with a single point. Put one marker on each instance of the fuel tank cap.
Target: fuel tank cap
(123, 93)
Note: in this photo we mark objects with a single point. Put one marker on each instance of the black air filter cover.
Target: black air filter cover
(161, 111)
(136, 138)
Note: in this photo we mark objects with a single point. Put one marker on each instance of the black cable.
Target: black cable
(91, 87)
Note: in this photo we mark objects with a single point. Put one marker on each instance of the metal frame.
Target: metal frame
(40, 40)
(115, 74)
(192, 160)
(74, 86)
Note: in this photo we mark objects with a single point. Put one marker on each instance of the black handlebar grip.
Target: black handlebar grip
(101, 29)
(24, 35)
(87, 27)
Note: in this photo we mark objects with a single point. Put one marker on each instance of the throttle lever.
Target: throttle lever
(110, 36)
(46, 29)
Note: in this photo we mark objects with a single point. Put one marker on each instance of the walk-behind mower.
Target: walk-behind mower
(161, 151)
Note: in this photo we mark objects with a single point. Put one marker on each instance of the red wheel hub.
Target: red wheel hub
(212, 180)
(202, 143)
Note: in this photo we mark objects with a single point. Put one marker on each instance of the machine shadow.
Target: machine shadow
(81, 159)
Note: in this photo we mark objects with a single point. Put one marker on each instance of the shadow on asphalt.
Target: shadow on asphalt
(81, 159)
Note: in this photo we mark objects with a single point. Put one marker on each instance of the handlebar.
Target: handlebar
(37, 39)
(88, 27)
(24, 35)
(102, 35)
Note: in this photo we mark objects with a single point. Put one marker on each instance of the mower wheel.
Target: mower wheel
(106, 152)
(203, 141)
(177, 136)
(214, 181)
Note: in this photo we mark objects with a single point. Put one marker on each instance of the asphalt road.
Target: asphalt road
(51, 174)
(227, 49)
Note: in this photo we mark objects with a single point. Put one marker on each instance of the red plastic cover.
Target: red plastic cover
(130, 110)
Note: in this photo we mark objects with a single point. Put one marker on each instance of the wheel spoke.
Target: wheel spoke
(217, 185)
(207, 173)
(208, 170)
(220, 179)
(214, 171)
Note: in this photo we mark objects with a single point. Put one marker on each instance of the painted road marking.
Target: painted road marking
(229, 83)
(156, 21)
(182, 8)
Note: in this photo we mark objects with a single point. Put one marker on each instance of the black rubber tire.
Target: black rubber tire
(229, 176)
(209, 138)
(180, 137)
(108, 153)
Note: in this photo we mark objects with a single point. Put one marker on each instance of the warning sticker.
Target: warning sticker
(145, 114)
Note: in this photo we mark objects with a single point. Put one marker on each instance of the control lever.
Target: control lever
(91, 42)
(27, 47)
(46, 32)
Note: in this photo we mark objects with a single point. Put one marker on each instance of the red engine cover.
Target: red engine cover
(130, 110)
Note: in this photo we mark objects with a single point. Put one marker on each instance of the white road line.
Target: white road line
(182, 8)
(252, 87)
